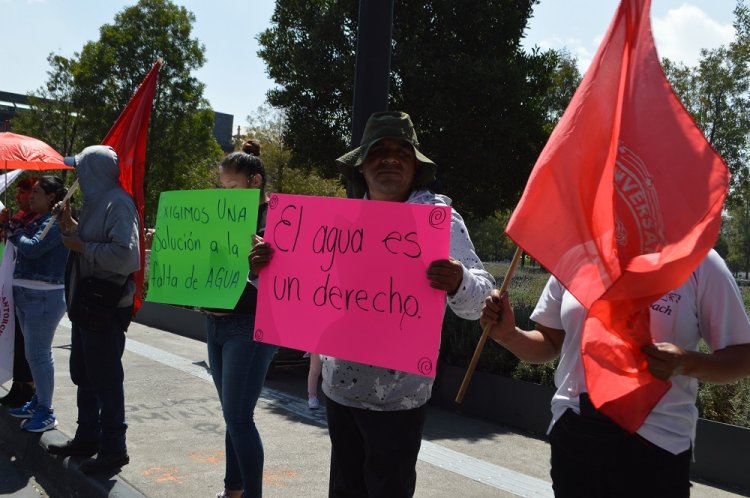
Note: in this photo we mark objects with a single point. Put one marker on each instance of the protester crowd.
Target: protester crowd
(86, 264)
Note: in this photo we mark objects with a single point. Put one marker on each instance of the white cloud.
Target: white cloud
(684, 31)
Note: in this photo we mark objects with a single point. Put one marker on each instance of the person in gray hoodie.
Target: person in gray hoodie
(376, 415)
(99, 291)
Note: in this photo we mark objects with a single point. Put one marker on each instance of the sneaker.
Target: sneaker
(42, 420)
(313, 403)
(27, 410)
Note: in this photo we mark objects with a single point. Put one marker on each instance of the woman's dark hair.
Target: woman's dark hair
(53, 185)
(249, 165)
(251, 147)
(27, 183)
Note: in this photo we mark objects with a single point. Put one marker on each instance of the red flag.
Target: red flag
(128, 136)
(622, 205)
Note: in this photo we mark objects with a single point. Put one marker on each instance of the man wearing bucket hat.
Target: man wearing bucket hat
(376, 415)
(99, 292)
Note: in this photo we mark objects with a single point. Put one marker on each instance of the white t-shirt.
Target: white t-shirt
(709, 306)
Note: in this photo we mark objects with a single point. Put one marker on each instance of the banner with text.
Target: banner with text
(200, 248)
(348, 278)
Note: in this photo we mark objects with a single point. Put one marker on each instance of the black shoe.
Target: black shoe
(20, 393)
(11, 394)
(72, 448)
(104, 462)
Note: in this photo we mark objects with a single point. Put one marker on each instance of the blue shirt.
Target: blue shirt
(42, 260)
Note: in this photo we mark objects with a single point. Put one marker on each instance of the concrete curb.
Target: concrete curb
(59, 477)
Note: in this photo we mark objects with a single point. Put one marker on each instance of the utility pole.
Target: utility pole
(373, 63)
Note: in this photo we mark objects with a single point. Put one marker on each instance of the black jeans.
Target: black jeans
(373, 453)
(96, 368)
(592, 457)
(21, 368)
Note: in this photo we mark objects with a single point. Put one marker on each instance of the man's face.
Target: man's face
(389, 170)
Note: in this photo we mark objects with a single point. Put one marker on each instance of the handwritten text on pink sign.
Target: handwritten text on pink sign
(348, 279)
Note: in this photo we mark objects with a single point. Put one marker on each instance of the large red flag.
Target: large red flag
(128, 136)
(622, 205)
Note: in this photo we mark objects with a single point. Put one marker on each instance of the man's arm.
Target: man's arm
(665, 360)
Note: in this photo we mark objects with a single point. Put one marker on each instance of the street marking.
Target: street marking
(492, 475)
(459, 463)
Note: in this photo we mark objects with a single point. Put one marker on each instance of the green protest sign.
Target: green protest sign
(199, 251)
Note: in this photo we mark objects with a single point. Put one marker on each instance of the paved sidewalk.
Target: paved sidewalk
(176, 436)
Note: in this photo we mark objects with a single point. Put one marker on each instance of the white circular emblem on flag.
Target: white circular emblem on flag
(640, 227)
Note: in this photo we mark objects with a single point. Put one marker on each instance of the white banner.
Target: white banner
(7, 313)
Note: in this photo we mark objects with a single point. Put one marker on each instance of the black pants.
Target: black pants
(595, 458)
(21, 369)
(96, 368)
(373, 453)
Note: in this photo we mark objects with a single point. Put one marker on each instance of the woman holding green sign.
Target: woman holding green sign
(238, 363)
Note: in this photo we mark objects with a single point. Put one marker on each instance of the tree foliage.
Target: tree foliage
(88, 91)
(716, 93)
(267, 126)
(53, 117)
(479, 102)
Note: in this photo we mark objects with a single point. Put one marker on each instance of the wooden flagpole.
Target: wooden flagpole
(486, 330)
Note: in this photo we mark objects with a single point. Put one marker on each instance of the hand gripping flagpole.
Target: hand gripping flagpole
(486, 330)
(52, 220)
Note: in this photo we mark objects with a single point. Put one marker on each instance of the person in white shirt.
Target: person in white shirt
(591, 455)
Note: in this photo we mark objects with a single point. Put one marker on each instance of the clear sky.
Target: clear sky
(235, 78)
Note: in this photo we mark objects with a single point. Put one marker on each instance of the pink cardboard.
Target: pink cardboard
(348, 279)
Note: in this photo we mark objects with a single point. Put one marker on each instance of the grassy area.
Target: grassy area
(724, 403)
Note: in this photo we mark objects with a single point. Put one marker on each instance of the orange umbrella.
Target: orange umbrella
(22, 152)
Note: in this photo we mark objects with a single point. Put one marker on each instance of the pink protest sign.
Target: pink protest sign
(348, 278)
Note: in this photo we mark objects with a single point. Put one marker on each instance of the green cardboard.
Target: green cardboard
(200, 248)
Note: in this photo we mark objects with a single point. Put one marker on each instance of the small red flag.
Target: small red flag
(622, 205)
(128, 136)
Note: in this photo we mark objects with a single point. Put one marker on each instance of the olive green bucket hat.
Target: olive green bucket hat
(389, 124)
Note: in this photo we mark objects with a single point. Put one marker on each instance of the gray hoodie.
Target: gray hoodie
(365, 386)
(108, 223)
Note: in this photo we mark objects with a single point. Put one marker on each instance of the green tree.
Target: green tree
(715, 92)
(267, 125)
(53, 117)
(477, 99)
(564, 79)
(96, 84)
(309, 52)
(738, 232)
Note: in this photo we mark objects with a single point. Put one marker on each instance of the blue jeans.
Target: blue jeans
(238, 367)
(96, 368)
(39, 312)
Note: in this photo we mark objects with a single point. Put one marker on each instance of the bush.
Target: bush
(727, 403)
(489, 241)
(460, 337)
